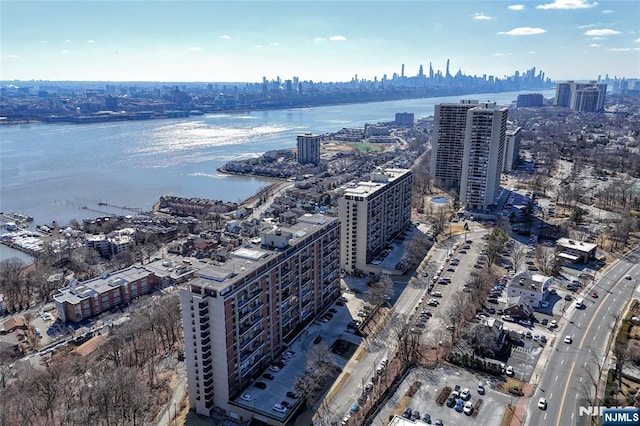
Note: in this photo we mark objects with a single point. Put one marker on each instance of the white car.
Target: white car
(509, 371)
(568, 340)
(468, 408)
(544, 304)
(465, 394)
(628, 277)
(542, 404)
(274, 368)
(553, 324)
(279, 408)
(246, 397)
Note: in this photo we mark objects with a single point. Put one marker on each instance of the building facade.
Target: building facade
(482, 161)
(511, 148)
(582, 97)
(239, 316)
(372, 214)
(447, 147)
(309, 149)
(532, 289)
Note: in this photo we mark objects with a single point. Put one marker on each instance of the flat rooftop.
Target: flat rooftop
(246, 259)
(575, 245)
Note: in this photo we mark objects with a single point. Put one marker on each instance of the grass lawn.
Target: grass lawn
(367, 147)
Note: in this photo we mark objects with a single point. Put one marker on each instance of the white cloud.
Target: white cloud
(481, 17)
(67, 41)
(501, 54)
(225, 37)
(12, 56)
(598, 38)
(620, 49)
(195, 49)
(275, 43)
(65, 52)
(583, 27)
(516, 7)
(338, 38)
(607, 11)
(319, 39)
(595, 45)
(601, 33)
(258, 46)
(91, 41)
(636, 40)
(567, 4)
(523, 31)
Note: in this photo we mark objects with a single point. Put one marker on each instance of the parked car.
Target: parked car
(509, 371)
(415, 415)
(286, 405)
(292, 395)
(246, 397)
(355, 407)
(407, 413)
(274, 368)
(279, 408)
(268, 376)
(465, 394)
(459, 406)
(317, 339)
(451, 401)
(468, 408)
(427, 418)
(260, 385)
(568, 340)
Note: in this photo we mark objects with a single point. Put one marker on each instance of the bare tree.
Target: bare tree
(407, 341)
(547, 260)
(518, 256)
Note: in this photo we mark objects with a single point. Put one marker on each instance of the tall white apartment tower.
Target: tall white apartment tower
(308, 149)
(371, 215)
(482, 161)
(447, 147)
(511, 148)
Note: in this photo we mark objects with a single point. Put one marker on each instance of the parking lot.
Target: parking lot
(433, 381)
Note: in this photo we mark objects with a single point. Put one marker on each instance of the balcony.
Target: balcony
(206, 340)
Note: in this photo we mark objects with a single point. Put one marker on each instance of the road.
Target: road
(383, 345)
(572, 370)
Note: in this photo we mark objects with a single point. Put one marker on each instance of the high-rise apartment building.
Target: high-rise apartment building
(309, 149)
(372, 214)
(583, 97)
(449, 126)
(482, 160)
(239, 316)
(511, 148)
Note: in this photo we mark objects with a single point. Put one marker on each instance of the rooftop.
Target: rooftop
(575, 245)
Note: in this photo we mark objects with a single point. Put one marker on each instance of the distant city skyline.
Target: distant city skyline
(216, 41)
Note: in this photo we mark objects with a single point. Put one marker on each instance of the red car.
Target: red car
(594, 294)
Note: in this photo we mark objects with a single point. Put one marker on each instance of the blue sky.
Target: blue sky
(314, 40)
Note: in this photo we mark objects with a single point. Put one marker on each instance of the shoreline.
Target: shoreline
(96, 119)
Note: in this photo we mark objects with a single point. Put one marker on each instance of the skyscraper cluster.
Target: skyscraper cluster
(469, 149)
(582, 97)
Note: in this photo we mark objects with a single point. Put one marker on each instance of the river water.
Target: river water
(68, 171)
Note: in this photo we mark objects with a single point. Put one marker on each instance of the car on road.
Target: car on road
(594, 294)
(542, 403)
(568, 340)
(355, 407)
(509, 371)
(553, 324)
(279, 408)
(628, 277)
(465, 394)
(459, 406)
(436, 294)
(568, 297)
(468, 408)
(481, 389)
(246, 397)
